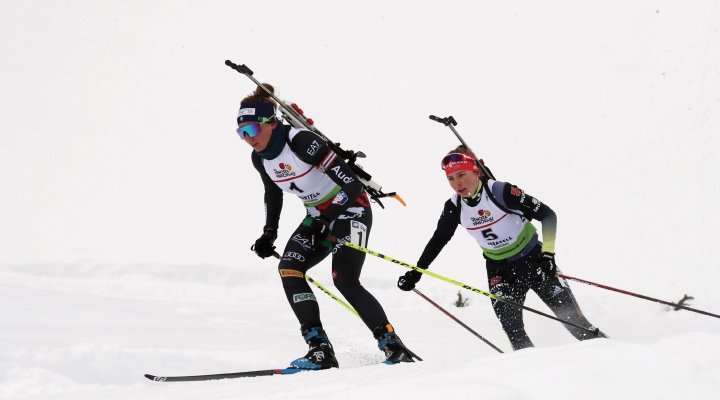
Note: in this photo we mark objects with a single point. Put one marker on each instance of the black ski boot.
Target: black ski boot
(321, 354)
(389, 342)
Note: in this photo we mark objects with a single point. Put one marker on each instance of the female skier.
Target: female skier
(497, 215)
(300, 162)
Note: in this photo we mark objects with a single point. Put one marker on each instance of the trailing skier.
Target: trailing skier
(498, 215)
(301, 162)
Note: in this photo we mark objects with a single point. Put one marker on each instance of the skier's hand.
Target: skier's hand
(546, 265)
(407, 282)
(317, 231)
(263, 247)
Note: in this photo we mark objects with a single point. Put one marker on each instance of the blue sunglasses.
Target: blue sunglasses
(253, 129)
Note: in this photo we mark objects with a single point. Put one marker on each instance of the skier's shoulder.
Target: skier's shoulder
(451, 208)
(505, 195)
(306, 144)
(301, 137)
(495, 188)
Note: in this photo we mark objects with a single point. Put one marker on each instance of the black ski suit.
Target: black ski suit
(512, 277)
(346, 211)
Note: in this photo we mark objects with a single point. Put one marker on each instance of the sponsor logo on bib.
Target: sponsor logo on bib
(483, 218)
(284, 172)
(311, 197)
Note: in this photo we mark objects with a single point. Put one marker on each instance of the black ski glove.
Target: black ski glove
(407, 282)
(317, 232)
(263, 247)
(546, 265)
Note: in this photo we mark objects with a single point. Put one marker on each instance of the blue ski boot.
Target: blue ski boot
(389, 342)
(321, 354)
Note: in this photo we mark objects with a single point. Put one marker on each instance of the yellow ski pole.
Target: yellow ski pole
(595, 331)
(327, 292)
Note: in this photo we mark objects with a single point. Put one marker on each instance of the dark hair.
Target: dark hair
(261, 96)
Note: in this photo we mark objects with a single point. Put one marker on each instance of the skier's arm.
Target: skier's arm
(532, 208)
(314, 151)
(273, 195)
(446, 226)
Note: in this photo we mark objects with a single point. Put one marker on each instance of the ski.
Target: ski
(246, 374)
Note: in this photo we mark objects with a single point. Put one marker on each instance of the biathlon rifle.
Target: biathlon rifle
(294, 115)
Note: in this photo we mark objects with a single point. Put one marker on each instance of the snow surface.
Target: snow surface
(128, 204)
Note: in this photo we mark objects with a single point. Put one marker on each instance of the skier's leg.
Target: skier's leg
(354, 226)
(556, 293)
(506, 281)
(296, 259)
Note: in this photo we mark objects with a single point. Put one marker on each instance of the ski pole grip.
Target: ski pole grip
(239, 68)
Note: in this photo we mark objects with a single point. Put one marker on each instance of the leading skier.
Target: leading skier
(300, 162)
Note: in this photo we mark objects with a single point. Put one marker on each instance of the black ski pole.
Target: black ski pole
(457, 320)
(451, 123)
(639, 296)
(593, 330)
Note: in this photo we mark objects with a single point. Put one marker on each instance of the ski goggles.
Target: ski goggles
(252, 130)
(458, 162)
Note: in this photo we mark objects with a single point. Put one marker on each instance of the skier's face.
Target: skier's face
(260, 141)
(464, 183)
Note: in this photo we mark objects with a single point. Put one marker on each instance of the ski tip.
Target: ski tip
(155, 378)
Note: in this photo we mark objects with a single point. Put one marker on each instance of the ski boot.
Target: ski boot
(389, 342)
(321, 354)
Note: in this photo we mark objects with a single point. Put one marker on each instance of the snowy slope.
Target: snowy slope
(93, 334)
(128, 203)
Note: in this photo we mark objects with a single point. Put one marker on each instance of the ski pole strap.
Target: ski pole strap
(638, 295)
(595, 331)
(456, 320)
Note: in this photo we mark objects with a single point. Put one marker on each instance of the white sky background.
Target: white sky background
(117, 142)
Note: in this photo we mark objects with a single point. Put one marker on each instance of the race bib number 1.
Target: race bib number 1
(358, 234)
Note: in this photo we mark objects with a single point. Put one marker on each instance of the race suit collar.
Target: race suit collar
(475, 198)
(276, 143)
